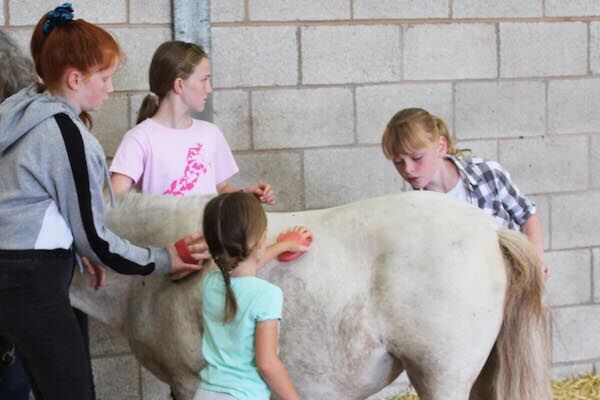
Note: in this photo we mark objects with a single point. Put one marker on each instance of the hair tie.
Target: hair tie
(59, 16)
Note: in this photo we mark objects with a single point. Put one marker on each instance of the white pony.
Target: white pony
(416, 282)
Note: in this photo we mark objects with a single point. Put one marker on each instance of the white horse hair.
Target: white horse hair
(417, 282)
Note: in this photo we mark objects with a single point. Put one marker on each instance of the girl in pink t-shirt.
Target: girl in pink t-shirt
(169, 152)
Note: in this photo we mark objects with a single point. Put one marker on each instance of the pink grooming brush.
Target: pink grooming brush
(183, 253)
(295, 237)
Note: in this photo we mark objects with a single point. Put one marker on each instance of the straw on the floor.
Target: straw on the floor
(586, 387)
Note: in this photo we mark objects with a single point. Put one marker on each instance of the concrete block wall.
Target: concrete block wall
(304, 89)
(516, 81)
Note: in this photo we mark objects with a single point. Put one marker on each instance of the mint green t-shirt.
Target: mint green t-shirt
(228, 348)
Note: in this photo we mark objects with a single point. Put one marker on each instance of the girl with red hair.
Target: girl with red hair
(52, 173)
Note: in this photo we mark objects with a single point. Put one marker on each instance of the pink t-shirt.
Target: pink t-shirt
(178, 162)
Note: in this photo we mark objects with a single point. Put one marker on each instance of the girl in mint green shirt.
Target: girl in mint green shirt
(240, 311)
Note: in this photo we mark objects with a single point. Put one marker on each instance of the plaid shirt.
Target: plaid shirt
(489, 187)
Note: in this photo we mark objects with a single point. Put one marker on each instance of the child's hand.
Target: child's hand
(193, 248)
(289, 245)
(186, 255)
(263, 191)
(180, 268)
(293, 246)
(97, 273)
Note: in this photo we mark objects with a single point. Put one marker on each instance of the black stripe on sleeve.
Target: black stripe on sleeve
(77, 160)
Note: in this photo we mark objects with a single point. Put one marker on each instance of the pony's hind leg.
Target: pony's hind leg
(441, 378)
(439, 387)
(484, 387)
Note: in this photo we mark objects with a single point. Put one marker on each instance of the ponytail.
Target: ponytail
(443, 131)
(148, 108)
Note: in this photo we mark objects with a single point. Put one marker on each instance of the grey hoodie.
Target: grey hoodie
(49, 161)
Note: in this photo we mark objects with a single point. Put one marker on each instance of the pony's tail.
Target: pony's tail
(522, 349)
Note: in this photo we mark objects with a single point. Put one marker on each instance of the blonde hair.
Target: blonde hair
(171, 60)
(402, 133)
(233, 225)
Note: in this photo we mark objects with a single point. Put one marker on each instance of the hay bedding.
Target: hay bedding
(585, 387)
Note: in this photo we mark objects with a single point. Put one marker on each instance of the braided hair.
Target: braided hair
(233, 225)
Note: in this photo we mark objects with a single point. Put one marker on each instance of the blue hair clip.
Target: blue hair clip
(58, 16)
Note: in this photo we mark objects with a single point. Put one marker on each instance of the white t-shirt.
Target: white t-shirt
(459, 191)
(177, 162)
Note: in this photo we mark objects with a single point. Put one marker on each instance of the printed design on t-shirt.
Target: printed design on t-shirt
(196, 166)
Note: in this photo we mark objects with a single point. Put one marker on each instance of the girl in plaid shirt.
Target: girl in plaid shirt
(419, 145)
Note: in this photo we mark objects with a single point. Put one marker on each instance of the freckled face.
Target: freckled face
(95, 88)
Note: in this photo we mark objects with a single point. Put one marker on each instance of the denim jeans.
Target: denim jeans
(36, 315)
